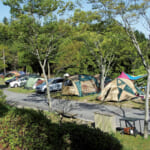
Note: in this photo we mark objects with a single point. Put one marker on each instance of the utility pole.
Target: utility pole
(4, 61)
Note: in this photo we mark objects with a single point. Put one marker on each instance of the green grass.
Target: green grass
(130, 142)
(88, 98)
(21, 90)
(136, 103)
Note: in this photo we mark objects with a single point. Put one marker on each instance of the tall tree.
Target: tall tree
(40, 41)
(130, 12)
(102, 48)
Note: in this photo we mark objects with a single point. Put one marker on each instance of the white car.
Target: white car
(55, 84)
(17, 83)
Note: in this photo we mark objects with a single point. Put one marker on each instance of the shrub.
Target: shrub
(82, 137)
(2, 97)
(30, 129)
(26, 129)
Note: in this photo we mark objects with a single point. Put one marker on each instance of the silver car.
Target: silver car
(55, 84)
(19, 82)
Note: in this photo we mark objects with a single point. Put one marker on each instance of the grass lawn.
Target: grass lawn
(21, 90)
(130, 142)
(136, 103)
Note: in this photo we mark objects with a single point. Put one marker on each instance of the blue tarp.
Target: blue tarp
(135, 77)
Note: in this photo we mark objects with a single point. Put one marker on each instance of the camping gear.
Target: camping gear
(130, 126)
(31, 82)
(118, 90)
(80, 85)
(123, 75)
(136, 77)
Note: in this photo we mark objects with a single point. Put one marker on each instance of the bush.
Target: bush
(26, 129)
(82, 137)
(2, 97)
(29, 129)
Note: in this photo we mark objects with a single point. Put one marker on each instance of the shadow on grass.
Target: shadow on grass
(30, 129)
(4, 109)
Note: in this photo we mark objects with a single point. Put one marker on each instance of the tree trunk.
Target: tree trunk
(102, 77)
(147, 107)
(48, 90)
(48, 66)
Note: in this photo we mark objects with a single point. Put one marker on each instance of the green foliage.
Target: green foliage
(22, 125)
(29, 129)
(2, 97)
(64, 41)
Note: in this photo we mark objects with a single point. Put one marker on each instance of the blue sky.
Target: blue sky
(4, 12)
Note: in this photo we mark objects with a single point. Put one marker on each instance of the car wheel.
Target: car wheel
(45, 90)
(16, 85)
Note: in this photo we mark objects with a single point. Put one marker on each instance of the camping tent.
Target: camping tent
(118, 90)
(31, 81)
(127, 76)
(80, 85)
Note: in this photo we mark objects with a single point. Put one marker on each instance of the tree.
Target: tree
(3, 59)
(40, 41)
(130, 12)
(102, 49)
(5, 42)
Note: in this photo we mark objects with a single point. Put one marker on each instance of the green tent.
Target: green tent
(80, 85)
(32, 81)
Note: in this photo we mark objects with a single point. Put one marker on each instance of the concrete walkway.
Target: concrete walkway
(84, 111)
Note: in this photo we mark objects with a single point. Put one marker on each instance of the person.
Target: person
(66, 75)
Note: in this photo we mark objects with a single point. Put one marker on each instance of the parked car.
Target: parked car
(7, 82)
(19, 82)
(55, 84)
(11, 75)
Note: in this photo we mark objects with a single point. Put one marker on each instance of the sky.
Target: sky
(4, 12)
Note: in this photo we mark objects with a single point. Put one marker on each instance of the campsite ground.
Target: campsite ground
(85, 107)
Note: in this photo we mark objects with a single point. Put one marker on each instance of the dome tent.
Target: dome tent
(121, 88)
(80, 85)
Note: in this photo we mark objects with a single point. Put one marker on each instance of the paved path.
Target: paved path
(84, 111)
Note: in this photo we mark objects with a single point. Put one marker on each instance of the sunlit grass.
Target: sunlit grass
(130, 142)
(21, 90)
